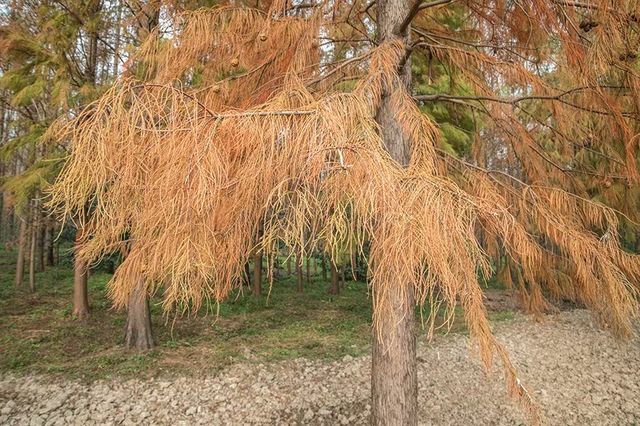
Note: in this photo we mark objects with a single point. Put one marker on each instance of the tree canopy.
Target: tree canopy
(258, 125)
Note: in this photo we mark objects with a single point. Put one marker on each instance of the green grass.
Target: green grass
(38, 335)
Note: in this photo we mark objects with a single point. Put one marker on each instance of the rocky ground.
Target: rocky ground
(578, 374)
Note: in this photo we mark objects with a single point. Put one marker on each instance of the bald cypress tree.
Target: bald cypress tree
(301, 121)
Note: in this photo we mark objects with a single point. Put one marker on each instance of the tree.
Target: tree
(139, 334)
(300, 120)
(51, 59)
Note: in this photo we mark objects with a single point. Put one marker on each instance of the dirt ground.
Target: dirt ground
(578, 374)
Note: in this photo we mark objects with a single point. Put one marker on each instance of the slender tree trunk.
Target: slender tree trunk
(308, 270)
(116, 42)
(49, 242)
(289, 265)
(40, 235)
(247, 274)
(139, 333)
(394, 378)
(323, 263)
(335, 286)
(80, 268)
(33, 230)
(22, 249)
(299, 285)
(8, 217)
(57, 259)
(4, 237)
(80, 294)
(257, 273)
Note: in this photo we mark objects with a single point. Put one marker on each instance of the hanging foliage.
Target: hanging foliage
(238, 124)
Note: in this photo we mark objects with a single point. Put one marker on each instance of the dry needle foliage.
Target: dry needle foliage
(237, 134)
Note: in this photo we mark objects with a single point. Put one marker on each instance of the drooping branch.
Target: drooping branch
(417, 6)
(514, 101)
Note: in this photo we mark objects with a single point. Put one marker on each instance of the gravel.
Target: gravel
(578, 374)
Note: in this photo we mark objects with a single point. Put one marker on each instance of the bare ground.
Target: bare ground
(578, 374)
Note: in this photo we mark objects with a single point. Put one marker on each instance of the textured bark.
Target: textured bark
(257, 274)
(93, 7)
(80, 295)
(394, 379)
(22, 249)
(394, 376)
(335, 284)
(139, 333)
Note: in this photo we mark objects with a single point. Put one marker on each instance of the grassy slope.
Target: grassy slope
(38, 335)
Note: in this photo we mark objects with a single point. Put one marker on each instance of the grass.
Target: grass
(38, 335)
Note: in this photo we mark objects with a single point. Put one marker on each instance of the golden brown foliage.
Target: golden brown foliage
(237, 127)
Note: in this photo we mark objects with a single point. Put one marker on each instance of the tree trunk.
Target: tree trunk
(49, 242)
(33, 230)
(116, 40)
(9, 217)
(40, 237)
(394, 373)
(299, 285)
(257, 273)
(139, 334)
(308, 270)
(289, 265)
(335, 285)
(22, 249)
(394, 378)
(4, 237)
(323, 263)
(80, 295)
(247, 274)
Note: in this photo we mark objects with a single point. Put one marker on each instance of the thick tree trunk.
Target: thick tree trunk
(139, 334)
(257, 273)
(394, 375)
(22, 249)
(394, 379)
(80, 294)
